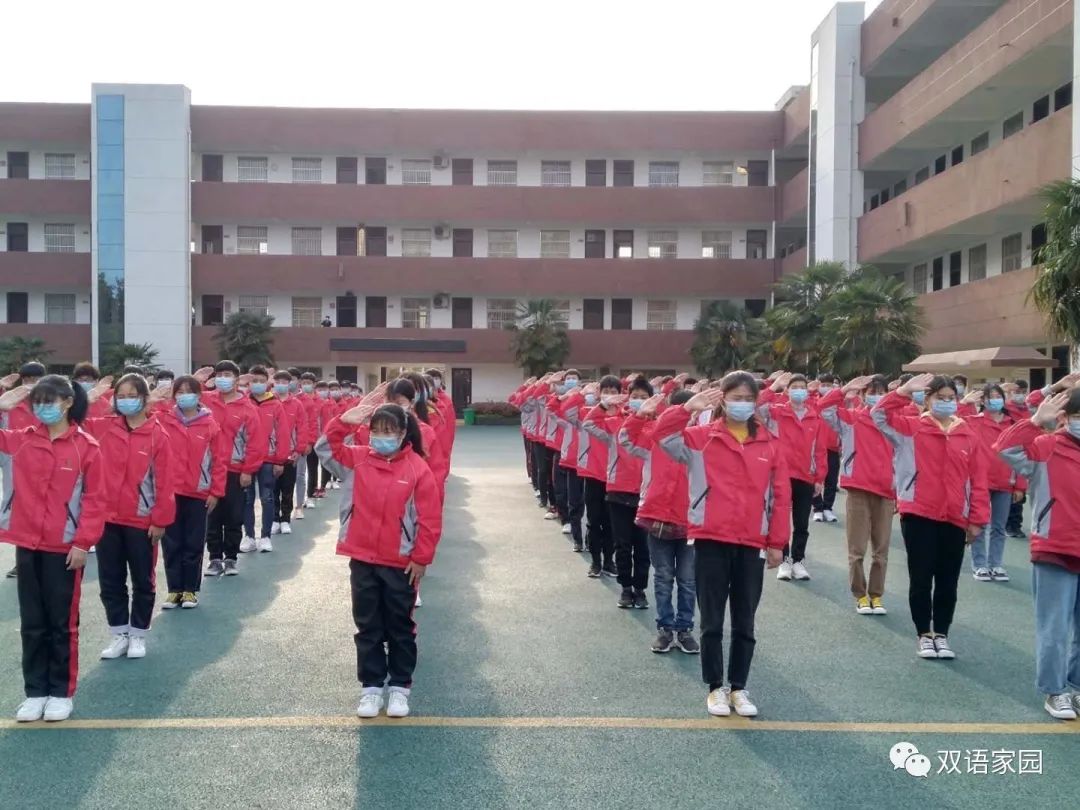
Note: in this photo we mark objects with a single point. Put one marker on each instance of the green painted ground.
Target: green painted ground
(511, 627)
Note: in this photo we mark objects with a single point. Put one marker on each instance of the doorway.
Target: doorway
(461, 388)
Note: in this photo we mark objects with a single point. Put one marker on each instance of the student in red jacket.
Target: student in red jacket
(445, 404)
(665, 501)
(803, 435)
(18, 418)
(592, 467)
(305, 395)
(140, 489)
(739, 518)
(277, 428)
(87, 376)
(569, 408)
(53, 514)
(300, 442)
(434, 446)
(391, 535)
(823, 503)
(939, 467)
(866, 474)
(201, 464)
(1051, 464)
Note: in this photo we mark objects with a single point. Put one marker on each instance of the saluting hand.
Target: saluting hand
(1045, 417)
(9, 381)
(13, 397)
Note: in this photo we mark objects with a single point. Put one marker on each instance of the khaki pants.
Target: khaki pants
(868, 522)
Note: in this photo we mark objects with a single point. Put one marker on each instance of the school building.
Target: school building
(379, 239)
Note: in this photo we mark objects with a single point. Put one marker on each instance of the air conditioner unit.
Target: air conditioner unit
(440, 161)
(442, 300)
(442, 231)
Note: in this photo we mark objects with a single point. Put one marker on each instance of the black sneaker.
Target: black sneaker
(626, 600)
(686, 642)
(594, 572)
(609, 569)
(215, 568)
(230, 568)
(14, 572)
(665, 640)
(640, 600)
(579, 547)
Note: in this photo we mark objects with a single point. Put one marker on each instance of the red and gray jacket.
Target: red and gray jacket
(140, 486)
(1051, 464)
(624, 464)
(396, 513)
(939, 475)
(738, 492)
(239, 421)
(448, 427)
(299, 428)
(804, 439)
(665, 494)
(866, 456)
(276, 427)
(569, 415)
(200, 453)
(1000, 477)
(57, 499)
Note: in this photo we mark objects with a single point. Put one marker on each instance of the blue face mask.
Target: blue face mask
(324, 394)
(258, 389)
(739, 411)
(281, 389)
(995, 404)
(225, 384)
(873, 399)
(571, 383)
(129, 406)
(635, 404)
(824, 389)
(307, 389)
(943, 407)
(961, 389)
(385, 445)
(294, 387)
(798, 395)
(87, 385)
(919, 397)
(1074, 428)
(590, 400)
(48, 413)
(187, 401)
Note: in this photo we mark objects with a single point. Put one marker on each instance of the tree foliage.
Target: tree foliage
(726, 338)
(143, 355)
(247, 339)
(1056, 291)
(15, 351)
(539, 342)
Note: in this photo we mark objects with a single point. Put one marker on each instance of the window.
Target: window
(922, 175)
(979, 143)
(938, 274)
(958, 155)
(1040, 109)
(622, 313)
(252, 169)
(501, 312)
(756, 243)
(416, 313)
(213, 168)
(623, 243)
(1011, 258)
(59, 238)
(1038, 241)
(560, 311)
(663, 244)
(502, 172)
(623, 173)
(307, 241)
(18, 237)
(502, 244)
(461, 171)
(348, 241)
(59, 166)
(306, 311)
(554, 244)
(716, 244)
(307, 170)
(18, 165)
(956, 259)
(18, 307)
(875, 201)
(251, 239)
(596, 172)
(213, 310)
(977, 263)
(375, 171)
(1012, 125)
(593, 313)
(416, 172)
(254, 304)
(416, 242)
(718, 173)
(595, 244)
(918, 279)
(755, 307)
(345, 171)
(884, 196)
(59, 308)
(1063, 96)
(373, 240)
(463, 243)
(940, 164)
(757, 172)
(461, 312)
(663, 173)
(899, 188)
(660, 315)
(555, 172)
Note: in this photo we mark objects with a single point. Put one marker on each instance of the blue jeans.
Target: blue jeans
(1057, 628)
(266, 482)
(673, 561)
(981, 555)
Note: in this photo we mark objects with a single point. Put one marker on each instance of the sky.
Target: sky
(558, 54)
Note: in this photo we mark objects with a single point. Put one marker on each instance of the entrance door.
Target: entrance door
(213, 239)
(461, 313)
(18, 307)
(18, 165)
(346, 310)
(461, 388)
(375, 311)
(212, 168)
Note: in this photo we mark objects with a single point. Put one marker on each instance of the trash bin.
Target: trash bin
(470, 416)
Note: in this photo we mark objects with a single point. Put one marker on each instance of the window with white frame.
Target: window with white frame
(252, 240)
(416, 242)
(561, 311)
(59, 308)
(718, 173)
(660, 315)
(307, 241)
(59, 166)
(1011, 253)
(416, 313)
(502, 244)
(716, 244)
(501, 312)
(306, 311)
(663, 244)
(663, 173)
(555, 172)
(416, 172)
(306, 170)
(254, 304)
(977, 263)
(502, 172)
(554, 244)
(252, 169)
(59, 238)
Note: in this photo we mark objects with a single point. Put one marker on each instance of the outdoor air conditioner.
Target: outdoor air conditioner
(442, 231)
(442, 300)
(440, 161)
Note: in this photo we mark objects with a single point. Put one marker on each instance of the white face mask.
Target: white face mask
(1074, 428)
(607, 400)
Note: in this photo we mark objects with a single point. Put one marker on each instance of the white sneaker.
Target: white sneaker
(818, 517)
(419, 602)
(551, 516)
(799, 571)
(783, 573)
(298, 514)
(117, 648)
(309, 504)
(398, 705)
(941, 644)
(136, 647)
(740, 701)
(264, 544)
(371, 704)
(566, 528)
(982, 575)
(286, 528)
(31, 709)
(335, 485)
(830, 516)
(926, 648)
(718, 704)
(1058, 706)
(58, 709)
(275, 528)
(999, 574)
(247, 545)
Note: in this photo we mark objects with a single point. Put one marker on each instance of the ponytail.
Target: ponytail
(420, 404)
(52, 387)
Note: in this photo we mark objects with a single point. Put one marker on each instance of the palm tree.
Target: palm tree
(872, 323)
(1056, 291)
(540, 342)
(798, 314)
(16, 351)
(143, 355)
(247, 338)
(725, 338)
